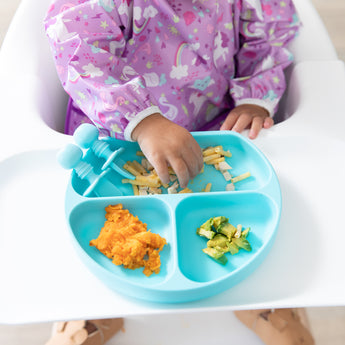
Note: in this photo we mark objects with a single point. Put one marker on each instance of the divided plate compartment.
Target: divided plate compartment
(187, 274)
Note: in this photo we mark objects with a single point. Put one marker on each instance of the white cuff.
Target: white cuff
(255, 101)
(137, 119)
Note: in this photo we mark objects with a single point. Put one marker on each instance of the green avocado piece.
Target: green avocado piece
(219, 220)
(227, 229)
(245, 233)
(216, 255)
(218, 241)
(209, 234)
(242, 243)
(233, 248)
(208, 224)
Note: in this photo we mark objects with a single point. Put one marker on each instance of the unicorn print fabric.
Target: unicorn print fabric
(190, 60)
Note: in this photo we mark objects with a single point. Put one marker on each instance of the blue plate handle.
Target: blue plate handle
(86, 136)
(71, 157)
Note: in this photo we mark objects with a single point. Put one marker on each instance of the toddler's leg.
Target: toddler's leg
(278, 326)
(91, 332)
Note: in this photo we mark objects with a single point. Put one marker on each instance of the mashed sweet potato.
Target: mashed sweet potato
(125, 240)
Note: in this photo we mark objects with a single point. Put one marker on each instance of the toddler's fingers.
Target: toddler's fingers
(193, 157)
(161, 167)
(198, 158)
(256, 127)
(193, 165)
(229, 122)
(268, 123)
(242, 122)
(182, 172)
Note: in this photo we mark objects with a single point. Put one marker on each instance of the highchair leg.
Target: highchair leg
(82, 332)
(278, 326)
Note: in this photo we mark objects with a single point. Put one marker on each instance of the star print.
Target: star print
(228, 26)
(104, 24)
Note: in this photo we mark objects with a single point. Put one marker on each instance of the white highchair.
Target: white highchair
(42, 282)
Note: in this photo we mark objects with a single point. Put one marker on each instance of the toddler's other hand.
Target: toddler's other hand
(164, 144)
(248, 115)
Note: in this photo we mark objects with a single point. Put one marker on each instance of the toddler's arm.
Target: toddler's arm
(89, 41)
(165, 143)
(266, 28)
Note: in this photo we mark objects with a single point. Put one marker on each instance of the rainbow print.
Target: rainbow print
(178, 55)
(137, 30)
(258, 32)
(73, 78)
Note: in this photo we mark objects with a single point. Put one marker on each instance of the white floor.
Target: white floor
(327, 324)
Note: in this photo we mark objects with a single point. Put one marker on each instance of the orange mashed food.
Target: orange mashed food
(125, 240)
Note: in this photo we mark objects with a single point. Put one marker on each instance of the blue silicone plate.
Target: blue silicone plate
(187, 274)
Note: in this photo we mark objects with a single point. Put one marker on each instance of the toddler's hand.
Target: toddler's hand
(248, 115)
(164, 144)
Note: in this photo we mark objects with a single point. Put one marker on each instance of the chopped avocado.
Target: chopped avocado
(233, 248)
(218, 241)
(227, 229)
(223, 249)
(205, 229)
(208, 224)
(205, 233)
(223, 238)
(216, 255)
(219, 220)
(242, 243)
(245, 232)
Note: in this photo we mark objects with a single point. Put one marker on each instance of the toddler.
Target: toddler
(151, 71)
